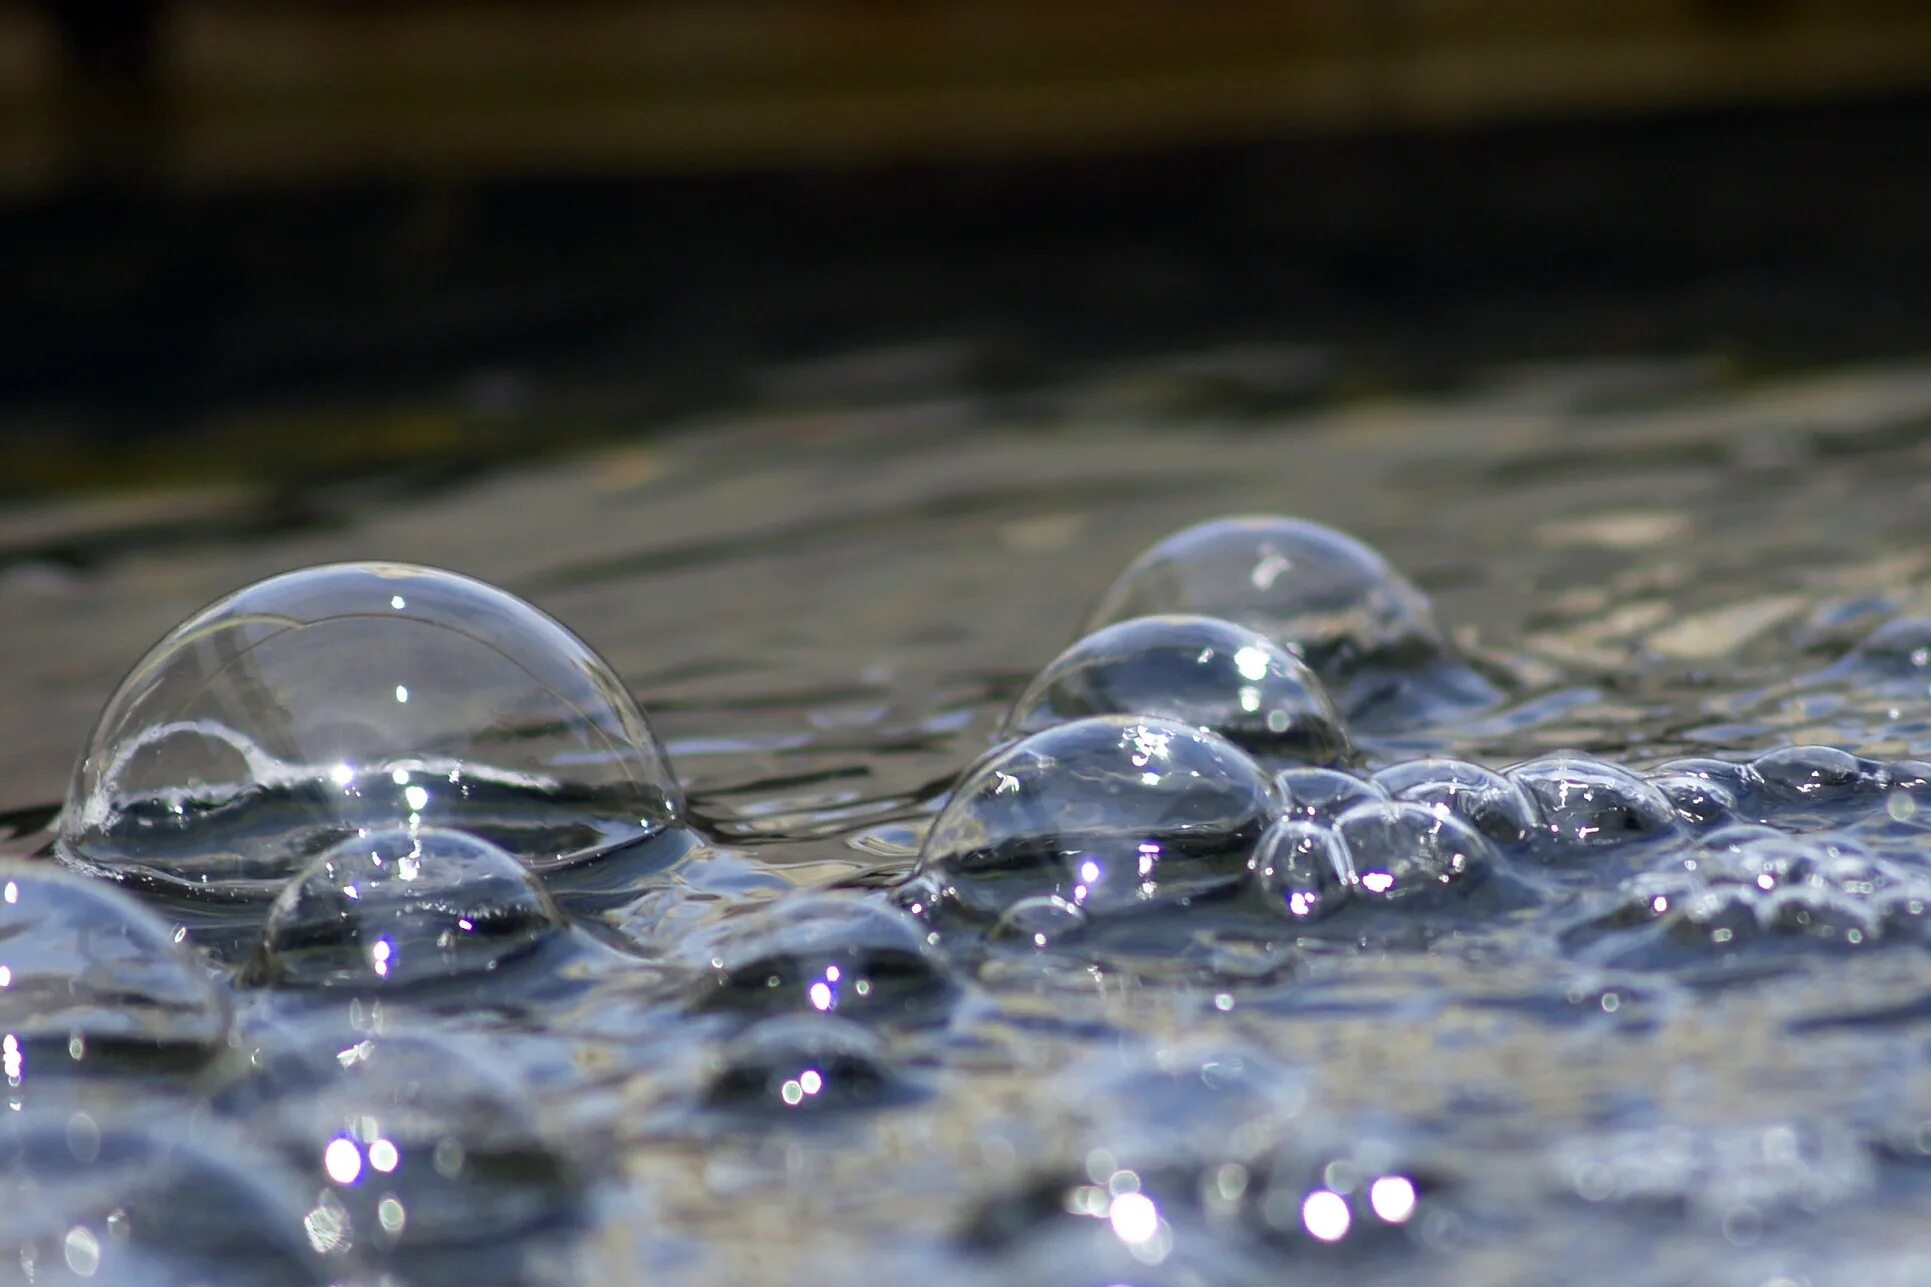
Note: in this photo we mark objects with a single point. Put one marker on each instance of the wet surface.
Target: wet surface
(1611, 989)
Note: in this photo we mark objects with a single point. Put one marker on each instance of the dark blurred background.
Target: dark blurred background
(316, 238)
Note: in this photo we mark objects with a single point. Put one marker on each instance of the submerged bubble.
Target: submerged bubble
(1404, 853)
(1196, 670)
(1301, 869)
(91, 979)
(402, 908)
(317, 704)
(1322, 795)
(1586, 803)
(803, 1063)
(825, 954)
(1315, 591)
(1481, 797)
(411, 1145)
(1108, 813)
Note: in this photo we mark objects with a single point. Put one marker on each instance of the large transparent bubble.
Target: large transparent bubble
(1198, 670)
(1362, 626)
(1108, 813)
(336, 700)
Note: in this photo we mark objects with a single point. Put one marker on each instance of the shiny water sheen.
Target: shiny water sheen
(1597, 952)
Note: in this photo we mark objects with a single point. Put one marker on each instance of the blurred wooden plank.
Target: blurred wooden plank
(253, 91)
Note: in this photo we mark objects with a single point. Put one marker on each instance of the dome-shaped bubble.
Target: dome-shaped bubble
(87, 1197)
(1698, 801)
(1363, 628)
(1479, 796)
(1817, 778)
(1042, 922)
(90, 980)
(413, 1145)
(1301, 870)
(1196, 670)
(1411, 854)
(322, 703)
(1707, 792)
(803, 1063)
(822, 953)
(1108, 813)
(1322, 795)
(401, 908)
(1586, 803)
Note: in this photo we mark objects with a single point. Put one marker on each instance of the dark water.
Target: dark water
(1661, 1025)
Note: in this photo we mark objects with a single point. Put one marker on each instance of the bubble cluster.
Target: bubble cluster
(335, 700)
(1194, 670)
(1752, 889)
(1109, 814)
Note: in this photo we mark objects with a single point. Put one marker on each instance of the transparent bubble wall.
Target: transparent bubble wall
(335, 700)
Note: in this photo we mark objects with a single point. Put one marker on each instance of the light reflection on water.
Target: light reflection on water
(1466, 1087)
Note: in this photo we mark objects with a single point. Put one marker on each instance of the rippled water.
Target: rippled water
(1647, 1006)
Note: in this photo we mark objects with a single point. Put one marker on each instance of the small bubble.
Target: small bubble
(400, 908)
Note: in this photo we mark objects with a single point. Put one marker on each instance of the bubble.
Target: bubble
(1698, 802)
(413, 1145)
(143, 1205)
(1108, 813)
(1587, 803)
(402, 908)
(1043, 922)
(1195, 670)
(1363, 628)
(1403, 853)
(91, 980)
(1301, 869)
(1322, 795)
(824, 954)
(1481, 797)
(803, 1064)
(334, 700)
(1818, 777)
(1706, 792)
